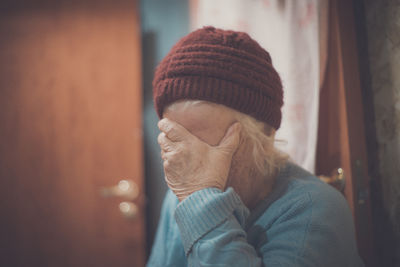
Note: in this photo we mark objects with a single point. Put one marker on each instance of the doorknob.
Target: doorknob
(336, 179)
(128, 209)
(127, 189)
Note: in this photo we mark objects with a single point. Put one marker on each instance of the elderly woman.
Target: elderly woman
(234, 199)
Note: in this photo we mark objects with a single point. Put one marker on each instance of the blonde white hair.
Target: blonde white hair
(260, 136)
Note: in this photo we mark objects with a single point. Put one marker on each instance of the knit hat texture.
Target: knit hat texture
(224, 67)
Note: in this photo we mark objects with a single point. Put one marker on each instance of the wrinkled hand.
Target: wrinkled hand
(191, 164)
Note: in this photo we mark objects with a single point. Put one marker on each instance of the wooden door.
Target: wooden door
(70, 123)
(341, 136)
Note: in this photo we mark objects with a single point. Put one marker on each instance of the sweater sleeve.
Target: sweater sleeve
(211, 224)
(309, 228)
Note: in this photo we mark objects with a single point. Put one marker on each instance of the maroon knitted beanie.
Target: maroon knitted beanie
(224, 67)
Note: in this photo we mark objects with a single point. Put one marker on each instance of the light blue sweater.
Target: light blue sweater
(303, 222)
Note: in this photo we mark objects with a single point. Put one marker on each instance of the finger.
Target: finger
(166, 164)
(165, 143)
(163, 155)
(230, 141)
(168, 155)
(173, 130)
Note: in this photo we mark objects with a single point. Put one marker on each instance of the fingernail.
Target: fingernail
(238, 126)
(160, 123)
(233, 128)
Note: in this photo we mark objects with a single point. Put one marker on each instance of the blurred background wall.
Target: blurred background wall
(382, 79)
(163, 24)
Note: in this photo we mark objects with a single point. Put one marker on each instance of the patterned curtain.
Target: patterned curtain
(295, 34)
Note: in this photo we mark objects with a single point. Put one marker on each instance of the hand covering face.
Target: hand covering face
(191, 164)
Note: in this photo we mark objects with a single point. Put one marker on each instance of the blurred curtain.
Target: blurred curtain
(295, 34)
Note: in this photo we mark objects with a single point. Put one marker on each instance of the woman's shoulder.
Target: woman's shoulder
(304, 216)
(302, 185)
(298, 192)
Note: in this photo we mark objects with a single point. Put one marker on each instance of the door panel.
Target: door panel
(341, 134)
(70, 114)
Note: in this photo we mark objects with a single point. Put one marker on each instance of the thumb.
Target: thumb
(230, 141)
